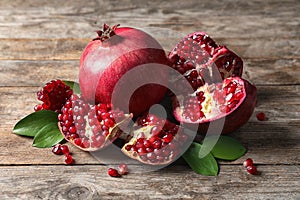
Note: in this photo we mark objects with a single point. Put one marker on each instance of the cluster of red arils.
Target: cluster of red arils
(59, 149)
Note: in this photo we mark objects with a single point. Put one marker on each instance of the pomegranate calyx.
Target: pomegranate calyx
(106, 33)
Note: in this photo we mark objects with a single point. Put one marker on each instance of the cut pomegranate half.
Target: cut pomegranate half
(90, 127)
(155, 141)
(234, 99)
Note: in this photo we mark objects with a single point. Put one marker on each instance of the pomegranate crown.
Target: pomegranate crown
(107, 32)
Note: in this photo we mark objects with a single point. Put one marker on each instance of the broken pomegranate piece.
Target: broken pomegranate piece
(54, 95)
(232, 101)
(219, 94)
(200, 60)
(155, 141)
(90, 127)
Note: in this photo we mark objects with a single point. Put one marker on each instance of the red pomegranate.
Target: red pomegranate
(155, 141)
(90, 127)
(219, 97)
(229, 104)
(112, 54)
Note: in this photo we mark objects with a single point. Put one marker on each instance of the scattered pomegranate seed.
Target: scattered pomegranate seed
(248, 162)
(252, 170)
(123, 169)
(68, 159)
(57, 149)
(113, 172)
(261, 116)
(38, 107)
(65, 149)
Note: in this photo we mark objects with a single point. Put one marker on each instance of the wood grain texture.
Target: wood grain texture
(92, 182)
(71, 48)
(41, 40)
(69, 19)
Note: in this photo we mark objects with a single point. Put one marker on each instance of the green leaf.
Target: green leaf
(73, 85)
(225, 147)
(48, 136)
(33, 123)
(206, 165)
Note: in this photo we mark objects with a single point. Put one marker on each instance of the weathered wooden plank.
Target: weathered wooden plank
(41, 40)
(255, 19)
(274, 141)
(42, 49)
(34, 73)
(71, 48)
(218, 26)
(234, 7)
(176, 182)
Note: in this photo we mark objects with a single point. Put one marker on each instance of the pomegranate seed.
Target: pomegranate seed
(72, 130)
(123, 169)
(142, 150)
(248, 162)
(139, 144)
(78, 141)
(149, 149)
(64, 149)
(261, 116)
(128, 147)
(157, 144)
(151, 156)
(57, 149)
(168, 138)
(147, 143)
(113, 172)
(252, 170)
(68, 159)
(38, 107)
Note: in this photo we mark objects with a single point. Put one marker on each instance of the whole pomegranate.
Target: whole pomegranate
(220, 97)
(113, 53)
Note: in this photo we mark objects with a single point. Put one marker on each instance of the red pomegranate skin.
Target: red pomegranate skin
(238, 117)
(103, 63)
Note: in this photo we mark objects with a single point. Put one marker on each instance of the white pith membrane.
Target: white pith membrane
(169, 150)
(221, 99)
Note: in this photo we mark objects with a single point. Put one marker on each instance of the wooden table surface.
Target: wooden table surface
(41, 40)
